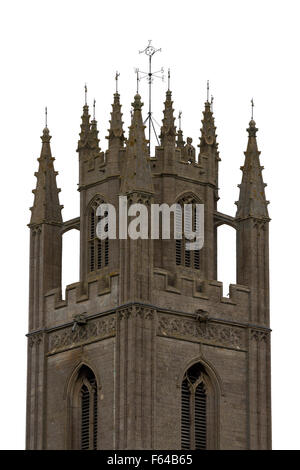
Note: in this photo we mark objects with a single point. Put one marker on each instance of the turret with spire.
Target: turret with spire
(45, 234)
(209, 162)
(209, 154)
(46, 207)
(253, 232)
(252, 201)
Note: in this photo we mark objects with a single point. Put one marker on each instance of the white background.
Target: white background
(246, 49)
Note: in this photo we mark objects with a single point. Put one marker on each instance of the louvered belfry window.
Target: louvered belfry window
(183, 257)
(89, 411)
(194, 410)
(98, 250)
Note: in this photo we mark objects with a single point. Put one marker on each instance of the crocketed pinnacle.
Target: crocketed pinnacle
(93, 139)
(136, 170)
(179, 141)
(252, 200)
(168, 128)
(46, 207)
(208, 139)
(115, 132)
(89, 133)
(85, 128)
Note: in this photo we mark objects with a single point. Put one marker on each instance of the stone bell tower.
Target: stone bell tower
(144, 351)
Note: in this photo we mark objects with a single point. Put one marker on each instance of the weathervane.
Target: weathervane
(252, 106)
(150, 50)
(46, 118)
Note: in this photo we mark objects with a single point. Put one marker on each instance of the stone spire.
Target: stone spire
(85, 128)
(136, 170)
(46, 207)
(168, 129)
(252, 201)
(93, 137)
(115, 132)
(180, 142)
(93, 133)
(208, 139)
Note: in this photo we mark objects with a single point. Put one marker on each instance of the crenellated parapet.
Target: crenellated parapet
(189, 293)
(92, 296)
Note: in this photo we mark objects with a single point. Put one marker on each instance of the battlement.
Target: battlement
(175, 292)
(93, 297)
(189, 294)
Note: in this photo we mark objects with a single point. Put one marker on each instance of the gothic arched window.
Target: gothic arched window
(98, 250)
(184, 257)
(87, 409)
(83, 411)
(194, 409)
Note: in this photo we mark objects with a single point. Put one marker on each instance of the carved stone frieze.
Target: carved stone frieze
(94, 329)
(201, 331)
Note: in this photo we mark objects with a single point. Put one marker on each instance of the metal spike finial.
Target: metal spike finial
(46, 117)
(94, 109)
(252, 106)
(179, 119)
(169, 76)
(207, 91)
(85, 94)
(137, 71)
(117, 78)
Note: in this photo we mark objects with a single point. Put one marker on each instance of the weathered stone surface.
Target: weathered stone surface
(140, 320)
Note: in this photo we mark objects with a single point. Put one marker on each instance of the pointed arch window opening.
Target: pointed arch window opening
(194, 410)
(184, 257)
(83, 411)
(98, 250)
(89, 412)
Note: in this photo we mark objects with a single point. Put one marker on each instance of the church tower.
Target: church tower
(145, 351)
